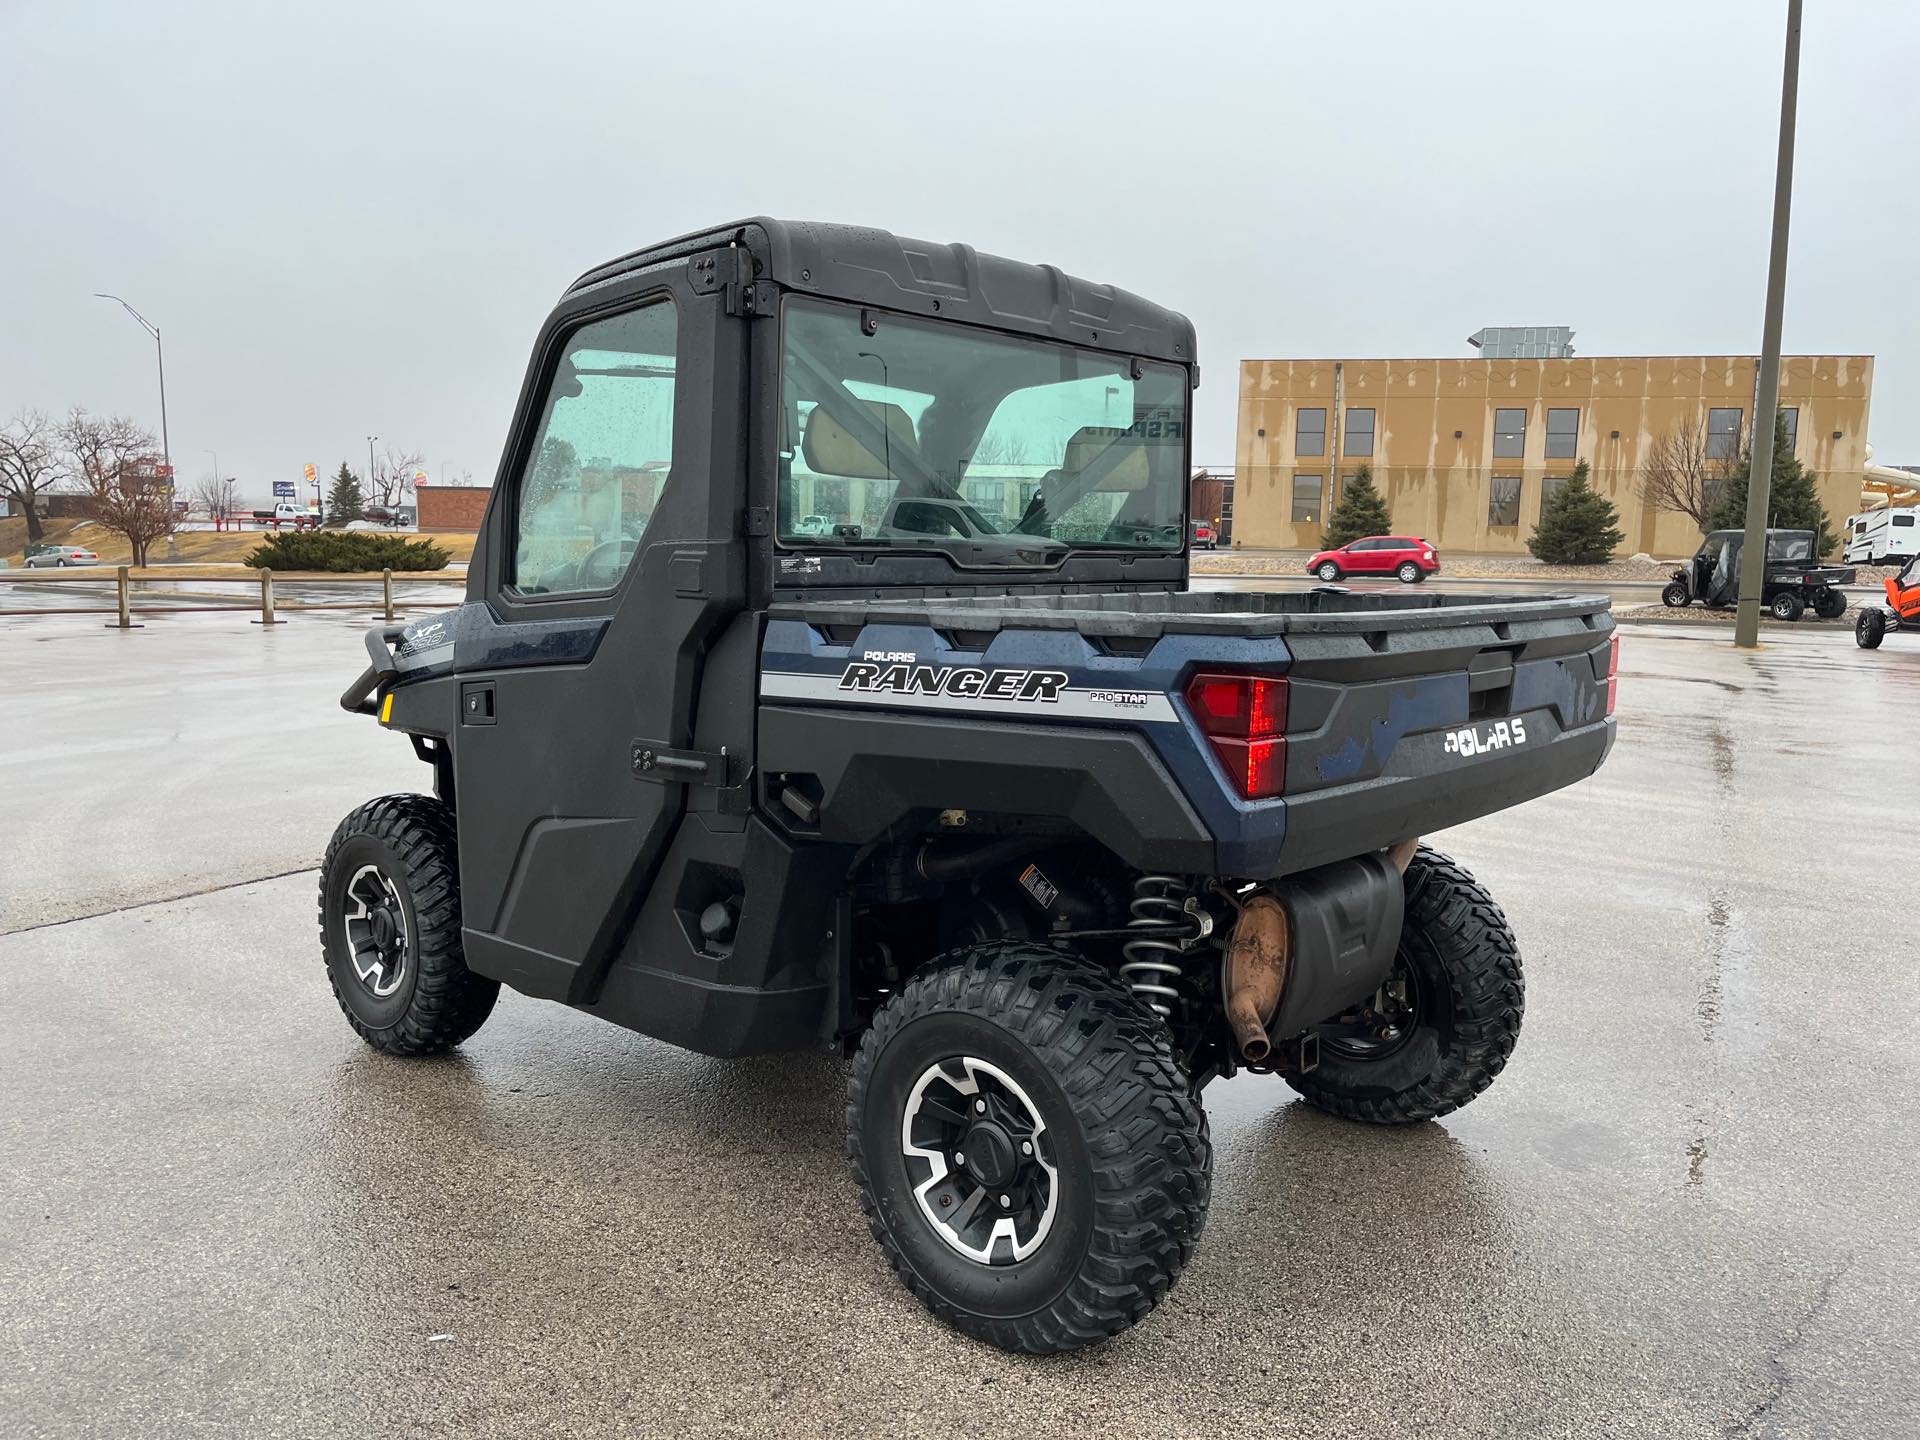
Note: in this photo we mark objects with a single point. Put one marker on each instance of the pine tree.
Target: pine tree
(344, 500)
(1792, 501)
(1578, 525)
(1361, 512)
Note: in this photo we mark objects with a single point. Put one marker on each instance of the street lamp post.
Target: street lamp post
(166, 452)
(1753, 559)
(370, 440)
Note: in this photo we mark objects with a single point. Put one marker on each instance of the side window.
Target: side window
(603, 454)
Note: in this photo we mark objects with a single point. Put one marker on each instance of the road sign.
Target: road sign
(284, 488)
(312, 478)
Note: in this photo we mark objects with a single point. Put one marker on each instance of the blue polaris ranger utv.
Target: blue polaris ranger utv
(828, 676)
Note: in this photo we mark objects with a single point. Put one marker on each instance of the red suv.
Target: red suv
(1409, 558)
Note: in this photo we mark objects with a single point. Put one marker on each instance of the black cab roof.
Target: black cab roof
(875, 267)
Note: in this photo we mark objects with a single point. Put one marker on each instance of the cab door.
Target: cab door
(607, 562)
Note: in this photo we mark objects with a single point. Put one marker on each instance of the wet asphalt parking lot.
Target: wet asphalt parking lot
(1688, 1208)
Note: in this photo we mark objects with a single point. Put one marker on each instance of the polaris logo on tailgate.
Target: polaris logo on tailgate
(1040, 687)
(1479, 740)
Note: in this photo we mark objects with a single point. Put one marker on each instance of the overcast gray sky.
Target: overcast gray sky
(350, 218)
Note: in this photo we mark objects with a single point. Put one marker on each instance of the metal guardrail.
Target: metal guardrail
(124, 608)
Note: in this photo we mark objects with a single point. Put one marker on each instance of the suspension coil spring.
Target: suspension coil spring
(1154, 962)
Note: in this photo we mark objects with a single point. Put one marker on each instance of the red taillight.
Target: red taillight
(1613, 671)
(1244, 718)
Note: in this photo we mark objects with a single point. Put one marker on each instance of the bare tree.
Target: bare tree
(214, 496)
(30, 464)
(1681, 473)
(390, 485)
(119, 476)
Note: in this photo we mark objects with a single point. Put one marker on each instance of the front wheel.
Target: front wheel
(1328, 571)
(1870, 628)
(1787, 606)
(1675, 596)
(1029, 1153)
(1409, 573)
(1442, 1025)
(390, 928)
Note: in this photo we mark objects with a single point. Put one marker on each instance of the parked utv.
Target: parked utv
(1901, 612)
(967, 784)
(1794, 579)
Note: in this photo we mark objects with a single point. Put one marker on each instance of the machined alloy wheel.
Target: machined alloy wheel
(374, 926)
(991, 1191)
(1408, 572)
(1030, 1155)
(390, 928)
(1328, 571)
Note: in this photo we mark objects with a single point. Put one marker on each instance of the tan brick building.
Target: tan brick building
(1461, 449)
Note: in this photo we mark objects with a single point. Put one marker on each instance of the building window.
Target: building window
(1359, 435)
(1509, 434)
(1723, 434)
(1791, 414)
(1310, 432)
(987, 495)
(1550, 486)
(1306, 499)
(1503, 500)
(1563, 433)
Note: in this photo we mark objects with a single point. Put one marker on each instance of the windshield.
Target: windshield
(903, 433)
(1789, 544)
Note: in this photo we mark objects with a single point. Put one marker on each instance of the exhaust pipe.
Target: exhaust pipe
(1256, 973)
(1260, 960)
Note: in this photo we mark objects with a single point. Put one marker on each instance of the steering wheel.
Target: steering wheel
(611, 555)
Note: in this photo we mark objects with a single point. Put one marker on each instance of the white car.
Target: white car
(59, 556)
(813, 525)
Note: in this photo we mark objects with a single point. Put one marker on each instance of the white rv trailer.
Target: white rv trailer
(1881, 537)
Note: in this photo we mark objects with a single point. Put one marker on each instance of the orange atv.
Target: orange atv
(1901, 612)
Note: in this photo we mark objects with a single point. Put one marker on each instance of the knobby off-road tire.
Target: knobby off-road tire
(1870, 628)
(1787, 606)
(1123, 1129)
(1459, 955)
(1831, 606)
(412, 994)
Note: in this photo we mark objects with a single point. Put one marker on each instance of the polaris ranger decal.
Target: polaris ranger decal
(916, 685)
(1481, 739)
(1032, 687)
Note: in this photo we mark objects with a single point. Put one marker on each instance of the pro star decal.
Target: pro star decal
(1036, 687)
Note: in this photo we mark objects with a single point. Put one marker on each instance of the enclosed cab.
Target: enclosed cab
(828, 676)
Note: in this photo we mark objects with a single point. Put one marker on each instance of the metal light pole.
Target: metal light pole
(370, 440)
(1753, 558)
(166, 452)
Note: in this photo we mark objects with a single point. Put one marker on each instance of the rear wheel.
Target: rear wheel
(1409, 573)
(1442, 1026)
(1787, 606)
(1870, 628)
(390, 928)
(1831, 605)
(1675, 596)
(1328, 571)
(1029, 1154)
